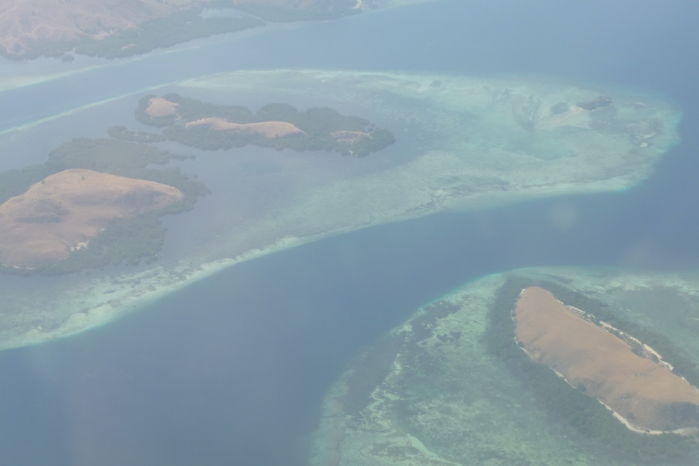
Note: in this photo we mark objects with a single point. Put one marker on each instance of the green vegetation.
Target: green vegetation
(157, 33)
(107, 155)
(125, 134)
(126, 241)
(574, 413)
(15, 182)
(324, 129)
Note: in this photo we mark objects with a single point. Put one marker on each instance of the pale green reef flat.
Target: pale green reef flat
(463, 143)
(432, 391)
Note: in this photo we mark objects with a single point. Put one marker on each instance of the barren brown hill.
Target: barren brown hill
(643, 393)
(160, 107)
(268, 129)
(61, 213)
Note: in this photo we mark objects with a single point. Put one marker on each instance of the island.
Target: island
(531, 366)
(94, 202)
(624, 374)
(110, 29)
(63, 212)
(212, 127)
(55, 216)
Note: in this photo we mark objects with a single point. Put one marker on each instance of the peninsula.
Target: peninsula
(117, 28)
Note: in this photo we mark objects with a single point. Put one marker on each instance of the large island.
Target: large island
(534, 366)
(115, 28)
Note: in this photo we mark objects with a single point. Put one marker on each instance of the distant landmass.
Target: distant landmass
(116, 28)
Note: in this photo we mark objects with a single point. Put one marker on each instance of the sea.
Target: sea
(232, 369)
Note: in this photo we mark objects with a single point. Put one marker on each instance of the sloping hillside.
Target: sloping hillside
(38, 27)
(60, 214)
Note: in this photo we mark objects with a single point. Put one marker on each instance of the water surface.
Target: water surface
(231, 370)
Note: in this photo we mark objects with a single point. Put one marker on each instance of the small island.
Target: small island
(627, 376)
(63, 212)
(211, 127)
(94, 202)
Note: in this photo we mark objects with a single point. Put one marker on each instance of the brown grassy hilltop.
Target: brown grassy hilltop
(61, 213)
(158, 107)
(267, 129)
(161, 107)
(276, 125)
(645, 394)
(24, 23)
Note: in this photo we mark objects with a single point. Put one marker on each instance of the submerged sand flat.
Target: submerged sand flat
(433, 392)
(462, 143)
(646, 394)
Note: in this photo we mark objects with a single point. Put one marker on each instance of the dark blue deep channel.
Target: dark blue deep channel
(231, 370)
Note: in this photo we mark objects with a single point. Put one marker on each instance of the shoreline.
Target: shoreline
(686, 431)
(132, 299)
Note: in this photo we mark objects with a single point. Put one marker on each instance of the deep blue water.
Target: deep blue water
(231, 370)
